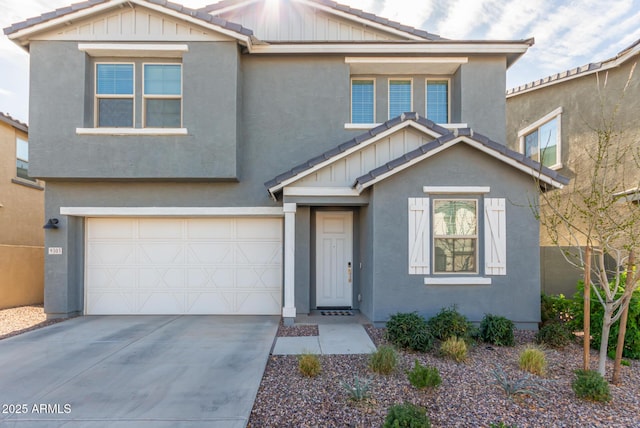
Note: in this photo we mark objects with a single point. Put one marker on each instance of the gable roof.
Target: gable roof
(445, 139)
(80, 10)
(585, 70)
(334, 7)
(6, 118)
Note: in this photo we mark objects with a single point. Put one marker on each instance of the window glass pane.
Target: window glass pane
(115, 112)
(162, 113)
(22, 170)
(114, 79)
(362, 101)
(162, 79)
(438, 101)
(22, 149)
(399, 97)
(454, 218)
(531, 145)
(549, 143)
(455, 255)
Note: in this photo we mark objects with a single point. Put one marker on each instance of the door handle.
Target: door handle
(349, 272)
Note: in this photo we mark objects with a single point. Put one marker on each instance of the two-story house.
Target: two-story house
(21, 214)
(276, 157)
(555, 120)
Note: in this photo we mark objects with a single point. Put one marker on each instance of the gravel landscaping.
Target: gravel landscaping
(18, 320)
(467, 397)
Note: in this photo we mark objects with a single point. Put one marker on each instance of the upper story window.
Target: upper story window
(362, 101)
(400, 97)
(455, 235)
(22, 159)
(114, 95)
(541, 141)
(437, 100)
(162, 95)
(116, 99)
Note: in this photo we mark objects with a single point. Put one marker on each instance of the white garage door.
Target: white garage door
(183, 266)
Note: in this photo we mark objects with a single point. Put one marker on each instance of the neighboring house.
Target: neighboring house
(21, 216)
(254, 157)
(555, 118)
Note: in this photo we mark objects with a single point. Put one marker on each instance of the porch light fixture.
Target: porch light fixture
(51, 224)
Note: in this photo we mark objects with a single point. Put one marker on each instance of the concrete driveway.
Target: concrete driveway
(135, 371)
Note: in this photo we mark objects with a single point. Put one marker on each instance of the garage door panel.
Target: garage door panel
(184, 266)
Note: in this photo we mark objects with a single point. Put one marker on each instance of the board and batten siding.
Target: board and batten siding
(419, 236)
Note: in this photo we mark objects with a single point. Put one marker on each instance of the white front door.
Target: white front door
(334, 258)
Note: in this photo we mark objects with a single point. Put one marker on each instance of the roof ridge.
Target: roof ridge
(196, 13)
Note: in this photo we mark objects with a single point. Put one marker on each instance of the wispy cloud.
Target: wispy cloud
(463, 17)
(412, 12)
(516, 18)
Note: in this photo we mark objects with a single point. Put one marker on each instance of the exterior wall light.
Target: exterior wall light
(51, 224)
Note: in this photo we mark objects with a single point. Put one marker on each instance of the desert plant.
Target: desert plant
(449, 323)
(454, 348)
(590, 385)
(533, 360)
(515, 387)
(406, 415)
(360, 388)
(497, 330)
(383, 360)
(409, 331)
(309, 365)
(555, 335)
(424, 376)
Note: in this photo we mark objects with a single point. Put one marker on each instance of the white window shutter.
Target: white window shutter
(419, 236)
(495, 237)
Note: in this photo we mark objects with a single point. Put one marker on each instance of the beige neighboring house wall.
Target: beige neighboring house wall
(21, 221)
(582, 97)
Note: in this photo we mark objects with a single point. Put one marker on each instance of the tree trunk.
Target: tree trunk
(604, 344)
(630, 282)
(586, 341)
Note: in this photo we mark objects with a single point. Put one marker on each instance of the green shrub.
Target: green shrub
(590, 385)
(406, 415)
(383, 360)
(554, 308)
(309, 365)
(632, 337)
(424, 376)
(532, 359)
(555, 335)
(497, 330)
(454, 348)
(359, 390)
(409, 331)
(450, 323)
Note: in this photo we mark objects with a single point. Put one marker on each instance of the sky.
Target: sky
(568, 33)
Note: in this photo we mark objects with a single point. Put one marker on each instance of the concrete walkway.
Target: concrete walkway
(337, 335)
(136, 371)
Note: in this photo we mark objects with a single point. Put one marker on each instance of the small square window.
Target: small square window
(362, 101)
(400, 99)
(541, 141)
(114, 95)
(437, 96)
(163, 95)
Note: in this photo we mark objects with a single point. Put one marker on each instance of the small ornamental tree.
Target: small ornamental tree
(598, 212)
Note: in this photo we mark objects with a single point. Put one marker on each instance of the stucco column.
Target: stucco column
(289, 309)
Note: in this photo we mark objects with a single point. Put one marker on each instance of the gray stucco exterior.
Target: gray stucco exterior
(248, 118)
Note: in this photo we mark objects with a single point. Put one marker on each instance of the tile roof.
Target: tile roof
(90, 3)
(446, 136)
(347, 9)
(6, 118)
(586, 69)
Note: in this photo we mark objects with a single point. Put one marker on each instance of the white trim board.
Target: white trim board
(138, 50)
(171, 211)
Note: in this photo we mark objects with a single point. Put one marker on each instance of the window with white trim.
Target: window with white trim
(162, 95)
(446, 237)
(437, 100)
(114, 95)
(400, 97)
(363, 100)
(22, 159)
(541, 141)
